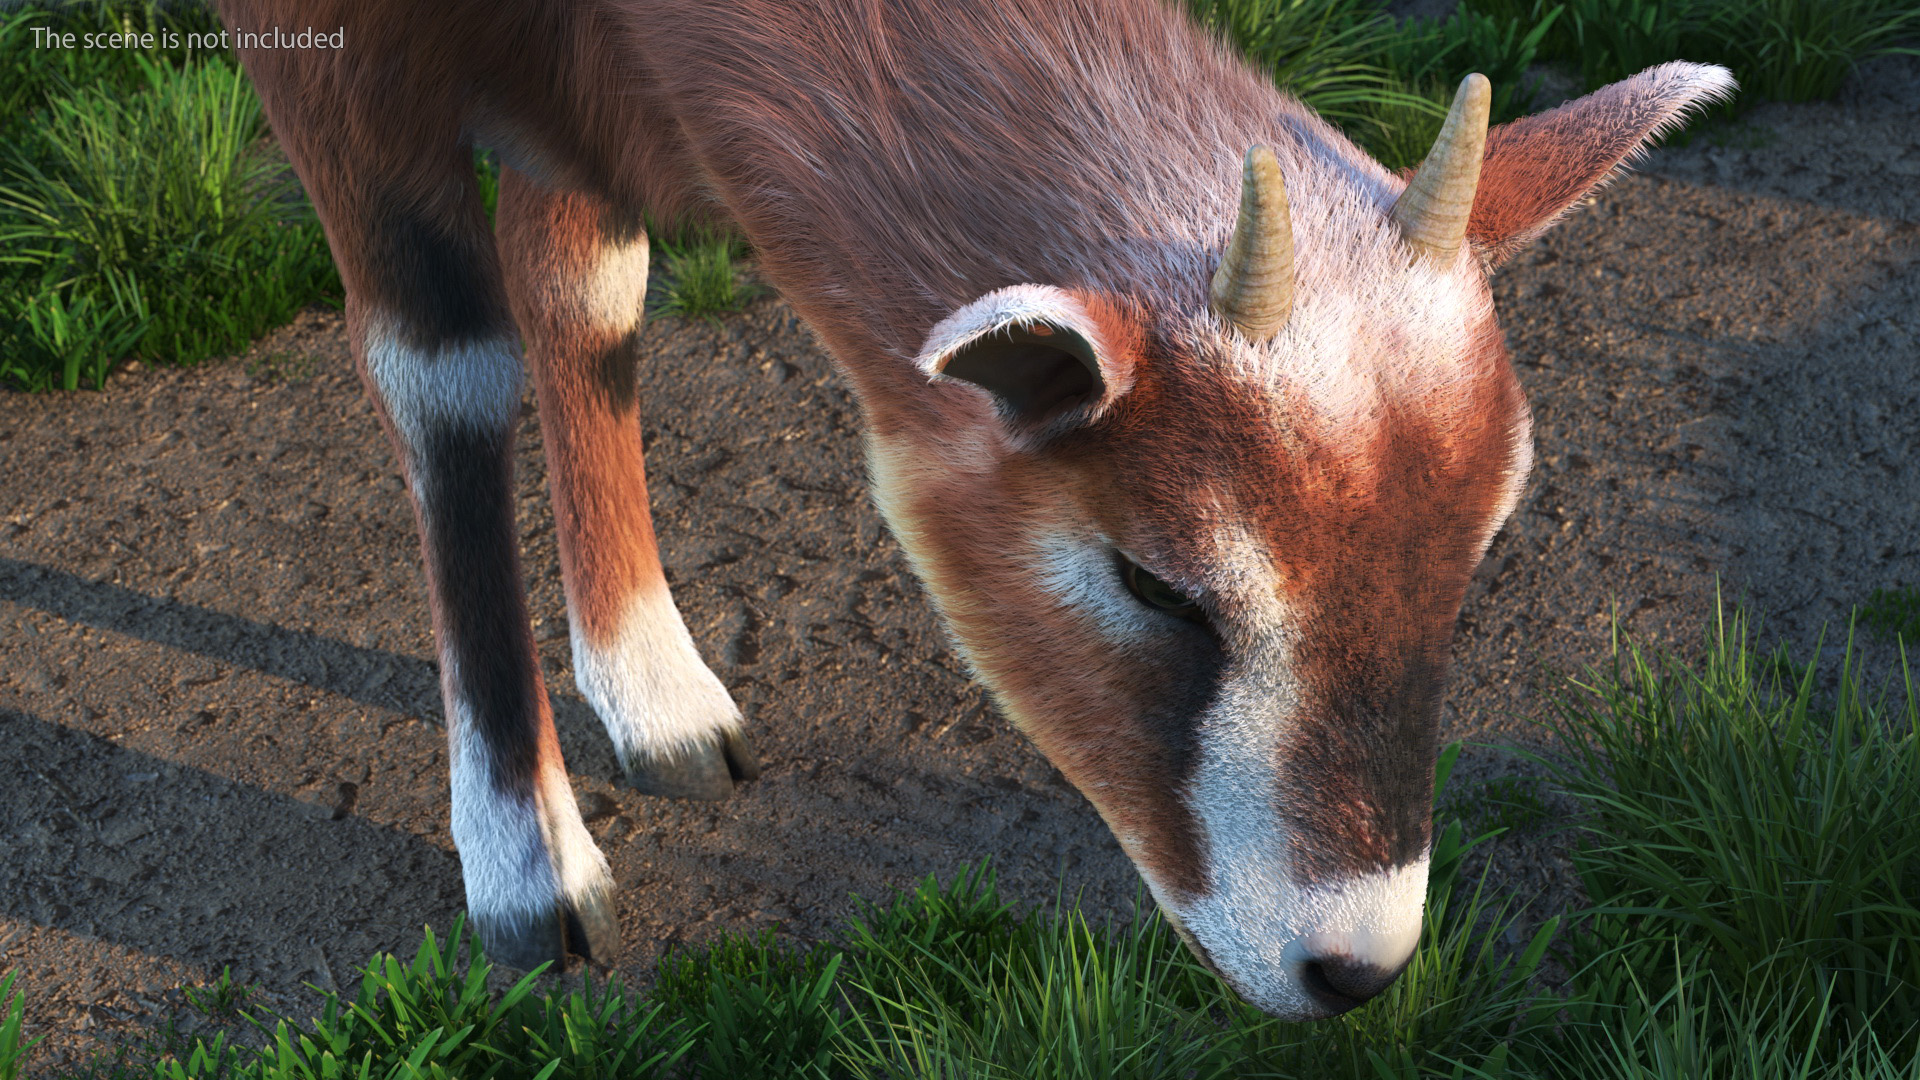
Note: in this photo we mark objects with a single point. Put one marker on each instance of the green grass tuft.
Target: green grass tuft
(142, 213)
(1624, 1027)
(223, 999)
(435, 1018)
(31, 76)
(1771, 840)
(1063, 1000)
(14, 1046)
(701, 278)
(1780, 50)
(1386, 83)
(1893, 614)
(1505, 804)
(764, 1009)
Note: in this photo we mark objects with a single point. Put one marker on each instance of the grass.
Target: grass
(14, 1047)
(143, 214)
(223, 999)
(702, 279)
(1386, 83)
(1505, 804)
(1751, 849)
(31, 77)
(1780, 50)
(1893, 614)
(1752, 852)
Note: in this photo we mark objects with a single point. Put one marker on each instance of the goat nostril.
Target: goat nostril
(1340, 983)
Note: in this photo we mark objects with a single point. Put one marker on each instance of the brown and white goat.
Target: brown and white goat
(1193, 419)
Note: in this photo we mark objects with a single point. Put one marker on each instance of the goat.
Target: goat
(1192, 418)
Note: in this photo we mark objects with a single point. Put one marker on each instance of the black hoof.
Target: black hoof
(742, 762)
(587, 929)
(523, 945)
(708, 771)
(593, 931)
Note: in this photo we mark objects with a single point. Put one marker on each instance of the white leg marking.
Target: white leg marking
(649, 685)
(613, 294)
(474, 383)
(608, 296)
(519, 858)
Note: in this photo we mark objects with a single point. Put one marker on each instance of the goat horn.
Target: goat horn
(1253, 287)
(1432, 212)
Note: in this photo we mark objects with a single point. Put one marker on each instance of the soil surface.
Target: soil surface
(218, 701)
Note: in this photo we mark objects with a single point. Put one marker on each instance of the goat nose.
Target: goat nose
(1339, 982)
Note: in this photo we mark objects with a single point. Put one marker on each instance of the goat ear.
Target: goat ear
(1538, 167)
(1048, 356)
(1033, 369)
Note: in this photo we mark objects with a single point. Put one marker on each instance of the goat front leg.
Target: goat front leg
(379, 144)
(437, 350)
(577, 275)
(536, 885)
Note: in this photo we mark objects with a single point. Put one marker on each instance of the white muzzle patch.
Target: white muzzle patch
(1257, 924)
(1261, 933)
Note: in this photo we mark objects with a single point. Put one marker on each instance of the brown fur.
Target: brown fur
(584, 377)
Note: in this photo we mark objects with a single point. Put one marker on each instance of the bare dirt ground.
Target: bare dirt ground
(220, 716)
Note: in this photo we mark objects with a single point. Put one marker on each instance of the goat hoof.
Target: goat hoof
(593, 930)
(707, 771)
(742, 762)
(585, 927)
(523, 944)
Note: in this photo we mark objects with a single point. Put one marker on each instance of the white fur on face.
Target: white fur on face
(652, 691)
(1256, 924)
(1394, 338)
(1082, 576)
(520, 859)
(1400, 343)
(1373, 918)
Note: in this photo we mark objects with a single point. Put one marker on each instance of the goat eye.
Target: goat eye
(1159, 595)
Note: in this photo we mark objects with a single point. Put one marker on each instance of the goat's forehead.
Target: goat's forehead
(1335, 398)
(1225, 474)
(1373, 333)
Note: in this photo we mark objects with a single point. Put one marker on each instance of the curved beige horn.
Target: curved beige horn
(1253, 287)
(1432, 213)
